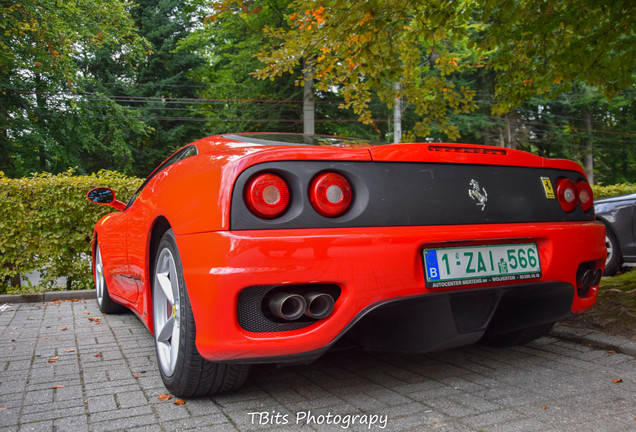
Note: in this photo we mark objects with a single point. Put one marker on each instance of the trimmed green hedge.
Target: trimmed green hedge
(601, 191)
(46, 224)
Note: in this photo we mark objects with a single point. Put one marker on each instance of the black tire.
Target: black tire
(184, 372)
(104, 301)
(517, 337)
(614, 260)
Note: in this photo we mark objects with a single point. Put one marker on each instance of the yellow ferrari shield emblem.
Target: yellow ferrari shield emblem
(174, 311)
(547, 186)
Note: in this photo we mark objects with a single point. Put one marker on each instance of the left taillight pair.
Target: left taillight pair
(268, 196)
(570, 194)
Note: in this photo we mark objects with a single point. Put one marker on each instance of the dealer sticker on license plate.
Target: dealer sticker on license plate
(480, 264)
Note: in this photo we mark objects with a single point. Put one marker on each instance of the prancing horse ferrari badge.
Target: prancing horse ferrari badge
(481, 196)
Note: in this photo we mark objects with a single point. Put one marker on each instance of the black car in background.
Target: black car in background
(617, 213)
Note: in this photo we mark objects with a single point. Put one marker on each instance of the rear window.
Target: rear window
(301, 139)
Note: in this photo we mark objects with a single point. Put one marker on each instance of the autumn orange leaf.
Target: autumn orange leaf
(70, 350)
(94, 319)
(137, 375)
(165, 396)
(617, 380)
(98, 355)
(64, 329)
(57, 386)
(179, 402)
(6, 408)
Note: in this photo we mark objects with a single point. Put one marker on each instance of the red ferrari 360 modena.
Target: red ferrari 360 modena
(271, 248)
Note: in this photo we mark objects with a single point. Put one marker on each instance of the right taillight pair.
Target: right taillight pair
(570, 194)
(268, 196)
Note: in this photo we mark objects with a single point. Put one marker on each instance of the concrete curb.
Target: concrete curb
(48, 296)
(595, 338)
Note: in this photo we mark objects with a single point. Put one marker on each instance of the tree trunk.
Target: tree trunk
(5, 159)
(40, 101)
(511, 130)
(588, 152)
(397, 114)
(309, 106)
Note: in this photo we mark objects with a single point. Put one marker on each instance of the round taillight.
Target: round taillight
(567, 194)
(267, 195)
(585, 195)
(330, 194)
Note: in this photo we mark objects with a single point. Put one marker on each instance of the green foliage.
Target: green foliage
(532, 48)
(162, 91)
(46, 48)
(47, 224)
(234, 100)
(601, 191)
(361, 49)
(543, 47)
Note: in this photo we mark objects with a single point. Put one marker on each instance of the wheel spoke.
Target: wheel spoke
(165, 333)
(165, 284)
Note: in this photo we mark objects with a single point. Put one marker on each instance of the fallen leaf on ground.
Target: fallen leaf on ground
(94, 319)
(179, 402)
(164, 397)
(612, 352)
(6, 408)
(64, 329)
(544, 407)
(57, 386)
(70, 350)
(617, 380)
(53, 359)
(138, 376)
(98, 355)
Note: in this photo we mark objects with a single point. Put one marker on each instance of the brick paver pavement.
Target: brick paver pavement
(64, 366)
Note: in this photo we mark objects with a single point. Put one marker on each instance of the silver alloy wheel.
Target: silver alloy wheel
(165, 309)
(99, 276)
(610, 249)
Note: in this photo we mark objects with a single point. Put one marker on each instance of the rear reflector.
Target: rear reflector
(267, 195)
(330, 194)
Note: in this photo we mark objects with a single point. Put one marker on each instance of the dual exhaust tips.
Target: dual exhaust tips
(291, 307)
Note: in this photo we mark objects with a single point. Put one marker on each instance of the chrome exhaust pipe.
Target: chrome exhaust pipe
(287, 306)
(319, 305)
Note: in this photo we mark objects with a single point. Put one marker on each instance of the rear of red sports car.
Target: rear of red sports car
(412, 248)
(270, 248)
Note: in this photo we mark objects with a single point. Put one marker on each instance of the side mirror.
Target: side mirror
(105, 196)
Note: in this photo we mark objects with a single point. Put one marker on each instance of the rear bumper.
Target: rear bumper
(381, 277)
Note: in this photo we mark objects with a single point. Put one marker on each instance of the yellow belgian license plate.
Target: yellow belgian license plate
(480, 264)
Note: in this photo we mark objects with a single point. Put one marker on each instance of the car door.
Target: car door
(114, 251)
